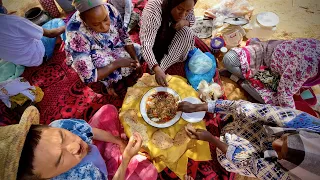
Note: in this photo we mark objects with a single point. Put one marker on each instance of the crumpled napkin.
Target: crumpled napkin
(209, 92)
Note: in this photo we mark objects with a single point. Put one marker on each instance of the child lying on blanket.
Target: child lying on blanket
(64, 150)
(250, 148)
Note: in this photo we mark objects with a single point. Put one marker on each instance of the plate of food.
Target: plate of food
(159, 107)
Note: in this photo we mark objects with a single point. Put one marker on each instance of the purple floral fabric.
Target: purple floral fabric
(87, 50)
(297, 61)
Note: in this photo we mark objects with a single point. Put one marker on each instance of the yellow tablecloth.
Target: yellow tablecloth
(175, 158)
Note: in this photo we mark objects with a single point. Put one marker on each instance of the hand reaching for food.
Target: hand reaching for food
(186, 177)
(188, 107)
(133, 147)
(160, 76)
(199, 134)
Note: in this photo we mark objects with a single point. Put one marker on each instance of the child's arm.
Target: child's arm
(101, 135)
(132, 149)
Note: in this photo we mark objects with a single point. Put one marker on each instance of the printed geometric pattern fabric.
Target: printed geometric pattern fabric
(50, 6)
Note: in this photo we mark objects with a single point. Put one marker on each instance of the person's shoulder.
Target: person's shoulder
(12, 20)
(155, 3)
(6, 17)
(153, 9)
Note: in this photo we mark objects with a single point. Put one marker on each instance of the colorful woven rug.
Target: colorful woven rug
(67, 97)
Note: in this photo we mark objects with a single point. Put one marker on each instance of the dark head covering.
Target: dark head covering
(166, 32)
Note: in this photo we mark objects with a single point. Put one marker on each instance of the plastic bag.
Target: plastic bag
(194, 79)
(229, 8)
(200, 63)
(50, 43)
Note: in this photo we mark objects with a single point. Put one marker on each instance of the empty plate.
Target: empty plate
(196, 116)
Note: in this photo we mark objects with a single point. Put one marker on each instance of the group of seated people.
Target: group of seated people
(263, 141)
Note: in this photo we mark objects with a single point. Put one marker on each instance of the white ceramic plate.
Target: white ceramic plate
(143, 109)
(268, 19)
(196, 116)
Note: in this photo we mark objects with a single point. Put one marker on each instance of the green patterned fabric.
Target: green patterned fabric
(9, 70)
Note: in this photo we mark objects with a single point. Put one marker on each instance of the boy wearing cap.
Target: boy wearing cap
(65, 150)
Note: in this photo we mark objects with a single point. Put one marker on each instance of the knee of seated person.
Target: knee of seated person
(111, 109)
(34, 63)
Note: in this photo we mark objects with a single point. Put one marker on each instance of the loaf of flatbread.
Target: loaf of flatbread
(181, 137)
(168, 77)
(130, 117)
(149, 80)
(133, 94)
(162, 140)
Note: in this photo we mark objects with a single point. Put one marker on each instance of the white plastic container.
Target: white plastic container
(262, 26)
(234, 36)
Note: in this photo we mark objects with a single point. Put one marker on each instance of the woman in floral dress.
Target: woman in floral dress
(98, 47)
(293, 64)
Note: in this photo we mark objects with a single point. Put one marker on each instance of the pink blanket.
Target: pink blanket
(139, 167)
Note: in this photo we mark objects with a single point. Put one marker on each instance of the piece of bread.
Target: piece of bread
(149, 80)
(181, 137)
(130, 114)
(130, 117)
(134, 94)
(162, 140)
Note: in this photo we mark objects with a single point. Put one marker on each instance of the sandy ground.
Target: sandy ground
(298, 18)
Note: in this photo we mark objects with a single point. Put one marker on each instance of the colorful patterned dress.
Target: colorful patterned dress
(296, 61)
(247, 137)
(88, 50)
